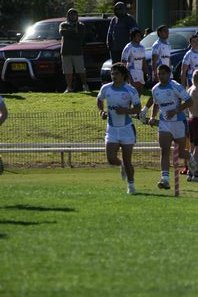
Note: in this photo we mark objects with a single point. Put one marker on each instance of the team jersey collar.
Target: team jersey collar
(166, 85)
(165, 41)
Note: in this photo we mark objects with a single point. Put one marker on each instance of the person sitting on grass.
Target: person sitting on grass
(170, 99)
(122, 101)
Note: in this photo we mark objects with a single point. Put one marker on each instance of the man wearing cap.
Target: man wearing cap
(118, 34)
(73, 39)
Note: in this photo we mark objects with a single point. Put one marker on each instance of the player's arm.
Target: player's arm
(135, 109)
(3, 113)
(154, 112)
(100, 106)
(184, 69)
(154, 66)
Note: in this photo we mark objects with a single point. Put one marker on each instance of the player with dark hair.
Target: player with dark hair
(122, 101)
(160, 56)
(133, 56)
(170, 99)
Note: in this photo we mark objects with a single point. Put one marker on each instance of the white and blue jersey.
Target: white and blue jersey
(191, 60)
(125, 96)
(134, 55)
(162, 49)
(169, 97)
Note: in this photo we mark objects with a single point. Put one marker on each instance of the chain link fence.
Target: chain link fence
(58, 128)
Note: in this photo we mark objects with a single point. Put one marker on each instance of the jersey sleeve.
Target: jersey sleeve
(135, 99)
(155, 49)
(186, 59)
(180, 91)
(102, 93)
(126, 53)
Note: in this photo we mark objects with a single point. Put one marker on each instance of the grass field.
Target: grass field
(75, 233)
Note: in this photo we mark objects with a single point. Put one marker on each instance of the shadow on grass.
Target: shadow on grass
(17, 97)
(3, 236)
(154, 195)
(90, 93)
(38, 208)
(23, 223)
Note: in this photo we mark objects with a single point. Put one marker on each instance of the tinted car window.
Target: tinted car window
(96, 31)
(44, 30)
(177, 40)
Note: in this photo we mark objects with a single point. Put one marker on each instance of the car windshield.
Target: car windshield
(177, 39)
(42, 31)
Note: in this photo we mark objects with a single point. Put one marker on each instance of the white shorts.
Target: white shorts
(73, 62)
(122, 135)
(137, 75)
(176, 129)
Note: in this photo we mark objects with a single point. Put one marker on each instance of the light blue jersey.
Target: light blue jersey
(125, 96)
(162, 49)
(190, 59)
(169, 97)
(134, 55)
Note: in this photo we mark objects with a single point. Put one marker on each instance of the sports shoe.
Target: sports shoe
(184, 171)
(68, 91)
(85, 88)
(123, 172)
(192, 164)
(163, 184)
(195, 178)
(189, 176)
(131, 189)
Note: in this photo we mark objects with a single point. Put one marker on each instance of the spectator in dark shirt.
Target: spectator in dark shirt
(73, 39)
(118, 34)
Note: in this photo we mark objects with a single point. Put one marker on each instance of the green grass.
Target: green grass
(50, 102)
(76, 233)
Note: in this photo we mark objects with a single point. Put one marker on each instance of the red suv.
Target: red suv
(34, 62)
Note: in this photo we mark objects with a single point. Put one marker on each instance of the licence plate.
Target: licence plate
(18, 66)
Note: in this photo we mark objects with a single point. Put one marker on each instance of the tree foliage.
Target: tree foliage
(15, 14)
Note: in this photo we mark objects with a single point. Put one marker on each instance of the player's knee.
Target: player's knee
(112, 160)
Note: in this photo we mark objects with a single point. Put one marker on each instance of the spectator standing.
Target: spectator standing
(118, 34)
(122, 101)
(73, 39)
(3, 117)
(161, 51)
(171, 99)
(133, 56)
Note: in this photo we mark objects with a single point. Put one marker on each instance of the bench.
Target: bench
(68, 148)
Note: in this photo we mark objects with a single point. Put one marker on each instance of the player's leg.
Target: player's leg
(127, 139)
(112, 153)
(127, 150)
(165, 140)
